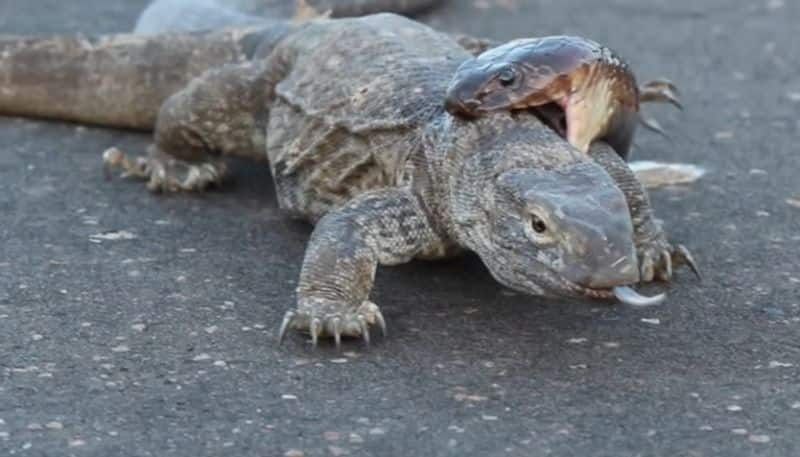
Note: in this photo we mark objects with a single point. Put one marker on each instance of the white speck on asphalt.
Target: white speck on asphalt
(77, 442)
(339, 360)
(759, 439)
(114, 235)
(355, 438)
(734, 408)
(577, 340)
(211, 329)
(289, 397)
(36, 337)
(220, 363)
(138, 327)
(377, 431)
(776, 364)
(54, 425)
(739, 431)
(773, 5)
(488, 418)
(652, 321)
(120, 348)
(796, 405)
(201, 357)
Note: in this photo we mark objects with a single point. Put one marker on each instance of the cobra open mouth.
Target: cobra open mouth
(580, 123)
(553, 116)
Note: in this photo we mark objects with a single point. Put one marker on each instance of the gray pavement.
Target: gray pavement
(163, 344)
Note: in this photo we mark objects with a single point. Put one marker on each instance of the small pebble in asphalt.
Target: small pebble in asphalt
(759, 439)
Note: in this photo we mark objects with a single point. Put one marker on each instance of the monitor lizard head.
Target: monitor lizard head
(544, 218)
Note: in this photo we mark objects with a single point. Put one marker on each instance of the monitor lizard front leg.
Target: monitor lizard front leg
(381, 227)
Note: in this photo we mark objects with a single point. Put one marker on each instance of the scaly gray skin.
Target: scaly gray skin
(350, 113)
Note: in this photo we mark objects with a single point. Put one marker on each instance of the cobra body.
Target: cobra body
(582, 89)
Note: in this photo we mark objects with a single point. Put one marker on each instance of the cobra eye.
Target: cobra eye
(538, 224)
(507, 76)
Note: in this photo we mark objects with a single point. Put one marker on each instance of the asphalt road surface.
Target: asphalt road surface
(161, 342)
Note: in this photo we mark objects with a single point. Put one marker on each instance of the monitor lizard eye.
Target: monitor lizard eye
(537, 224)
(507, 76)
(538, 230)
